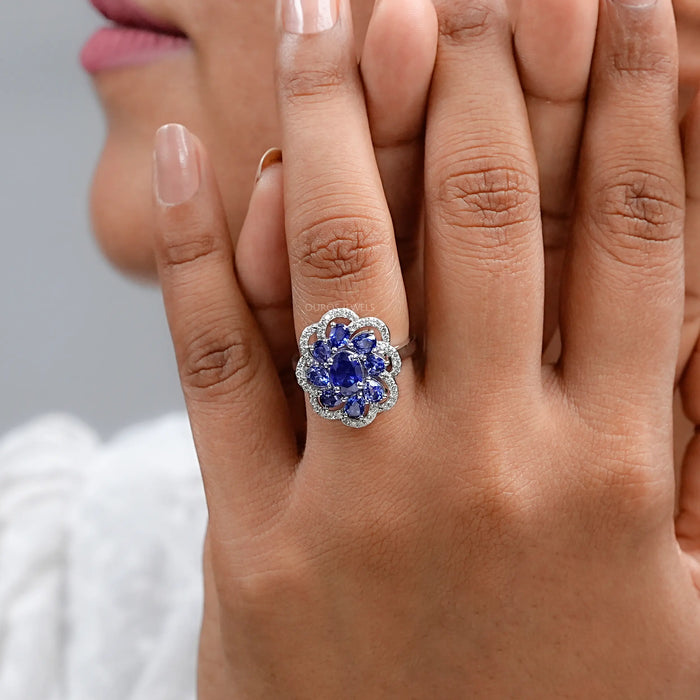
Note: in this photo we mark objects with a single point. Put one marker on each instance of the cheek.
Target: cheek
(222, 94)
(136, 102)
(236, 92)
(223, 91)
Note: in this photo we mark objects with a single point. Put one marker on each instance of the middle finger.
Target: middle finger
(484, 256)
(339, 232)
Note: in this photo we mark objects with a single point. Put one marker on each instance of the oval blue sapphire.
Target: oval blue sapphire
(364, 342)
(339, 335)
(318, 377)
(321, 351)
(330, 399)
(375, 364)
(374, 391)
(346, 371)
(355, 407)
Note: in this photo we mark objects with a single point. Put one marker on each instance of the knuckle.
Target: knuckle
(489, 512)
(464, 20)
(501, 201)
(276, 582)
(198, 244)
(641, 208)
(376, 530)
(494, 195)
(317, 84)
(621, 481)
(628, 487)
(635, 61)
(341, 248)
(218, 363)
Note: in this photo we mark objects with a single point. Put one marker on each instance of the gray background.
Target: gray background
(74, 336)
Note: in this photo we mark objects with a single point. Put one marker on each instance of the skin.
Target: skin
(308, 566)
(553, 47)
(203, 89)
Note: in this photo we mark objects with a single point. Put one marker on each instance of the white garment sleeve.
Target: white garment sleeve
(42, 468)
(100, 562)
(135, 578)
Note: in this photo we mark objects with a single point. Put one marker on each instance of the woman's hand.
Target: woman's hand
(507, 529)
(395, 68)
(553, 44)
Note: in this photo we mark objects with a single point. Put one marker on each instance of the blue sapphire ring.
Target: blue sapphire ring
(348, 367)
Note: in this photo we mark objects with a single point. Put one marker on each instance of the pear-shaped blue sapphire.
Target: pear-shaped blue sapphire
(364, 342)
(321, 351)
(330, 399)
(346, 372)
(374, 391)
(319, 377)
(375, 364)
(355, 407)
(339, 335)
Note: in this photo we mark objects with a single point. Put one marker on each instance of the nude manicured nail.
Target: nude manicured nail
(309, 16)
(177, 166)
(270, 157)
(636, 3)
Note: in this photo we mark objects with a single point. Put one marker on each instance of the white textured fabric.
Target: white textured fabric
(100, 561)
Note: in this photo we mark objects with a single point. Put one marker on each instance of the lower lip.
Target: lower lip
(123, 47)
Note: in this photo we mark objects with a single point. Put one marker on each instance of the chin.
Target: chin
(121, 212)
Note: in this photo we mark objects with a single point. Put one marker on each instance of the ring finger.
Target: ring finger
(339, 232)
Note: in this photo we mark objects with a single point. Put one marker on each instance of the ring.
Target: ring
(348, 367)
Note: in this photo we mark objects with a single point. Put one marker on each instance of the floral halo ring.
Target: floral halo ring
(348, 367)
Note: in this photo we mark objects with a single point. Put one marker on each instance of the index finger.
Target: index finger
(236, 406)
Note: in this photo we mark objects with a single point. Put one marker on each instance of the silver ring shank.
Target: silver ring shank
(407, 349)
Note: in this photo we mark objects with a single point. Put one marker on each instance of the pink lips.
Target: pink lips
(136, 39)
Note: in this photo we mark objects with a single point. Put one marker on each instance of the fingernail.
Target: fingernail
(270, 157)
(309, 16)
(636, 3)
(177, 175)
